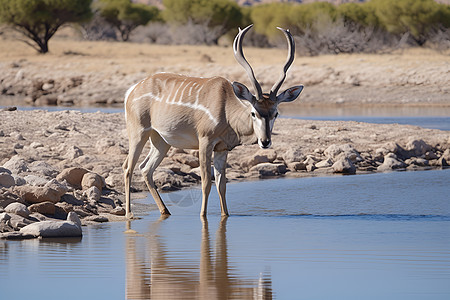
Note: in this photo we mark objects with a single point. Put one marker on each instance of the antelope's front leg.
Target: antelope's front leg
(220, 164)
(205, 152)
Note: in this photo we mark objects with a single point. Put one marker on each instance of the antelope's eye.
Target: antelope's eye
(253, 114)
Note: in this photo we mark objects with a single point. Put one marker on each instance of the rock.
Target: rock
(93, 193)
(324, 163)
(118, 211)
(73, 176)
(92, 179)
(186, 159)
(69, 228)
(4, 170)
(344, 165)
(57, 186)
(73, 152)
(18, 209)
(15, 236)
(35, 180)
(297, 166)
(310, 160)
(417, 147)
(42, 168)
(4, 217)
(35, 145)
(441, 162)
(391, 162)
(98, 219)
(6, 180)
(16, 165)
(347, 150)
(262, 156)
(45, 208)
(293, 155)
(7, 197)
(51, 192)
(269, 169)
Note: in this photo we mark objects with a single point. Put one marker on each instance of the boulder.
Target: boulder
(269, 169)
(93, 194)
(186, 159)
(7, 197)
(344, 165)
(69, 228)
(45, 208)
(293, 155)
(92, 179)
(335, 151)
(324, 163)
(18, 209)
(16, 165)
(6, 180)
(417, 147)
(73, 176)
(262, 156)
(51, 192)
(391, 162)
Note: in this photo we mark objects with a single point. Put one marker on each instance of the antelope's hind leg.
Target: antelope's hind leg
(137, 141)
(157, 152)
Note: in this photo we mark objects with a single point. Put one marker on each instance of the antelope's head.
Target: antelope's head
(264, 105)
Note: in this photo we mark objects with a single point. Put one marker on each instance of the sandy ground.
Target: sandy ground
(98, 73)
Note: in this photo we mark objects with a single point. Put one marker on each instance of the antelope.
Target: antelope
(207, 114)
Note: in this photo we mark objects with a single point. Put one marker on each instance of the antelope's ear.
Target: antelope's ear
(242, 92)
(290, 94)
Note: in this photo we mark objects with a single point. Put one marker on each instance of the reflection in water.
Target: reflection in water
(162, 274)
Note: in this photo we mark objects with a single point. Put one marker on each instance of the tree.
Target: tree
(220, 16)
(38, 20)
(126, 16)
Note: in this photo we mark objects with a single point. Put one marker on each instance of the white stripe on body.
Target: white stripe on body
(195, 106)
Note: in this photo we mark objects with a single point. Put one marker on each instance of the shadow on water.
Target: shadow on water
(163, 274)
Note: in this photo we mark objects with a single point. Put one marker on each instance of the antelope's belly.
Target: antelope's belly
(183, 138)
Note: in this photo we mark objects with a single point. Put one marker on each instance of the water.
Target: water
(377, 236)
(426, 117)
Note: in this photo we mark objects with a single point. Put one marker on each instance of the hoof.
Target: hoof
(165, 213)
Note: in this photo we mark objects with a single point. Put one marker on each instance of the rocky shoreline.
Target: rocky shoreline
(56, 167)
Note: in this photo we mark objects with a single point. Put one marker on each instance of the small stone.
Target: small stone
(36, 145)
(6, 180)
(118, 211)
(4, 217)
(98, 219)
